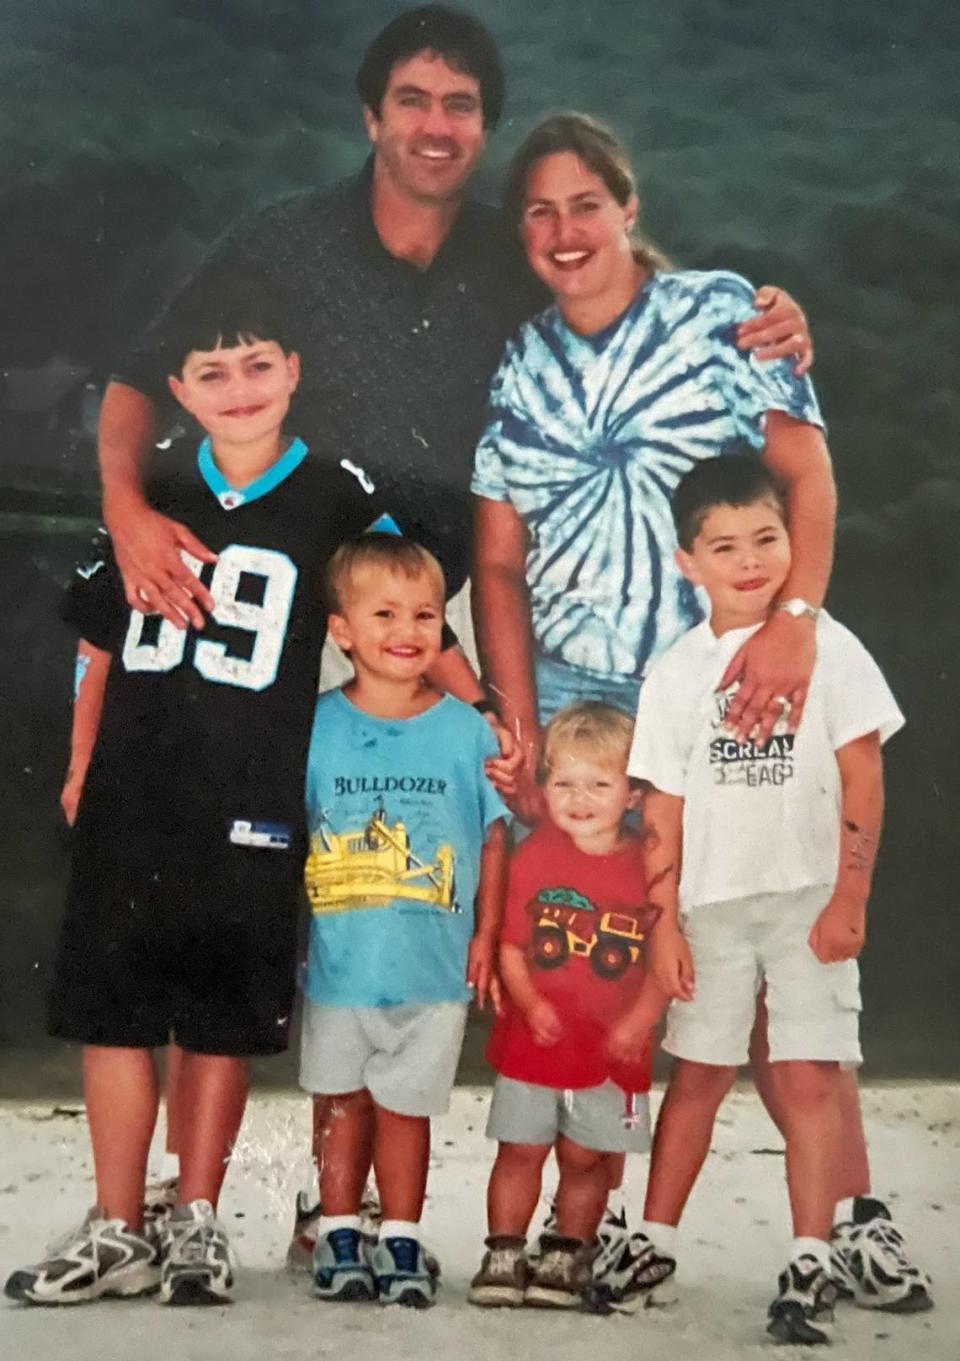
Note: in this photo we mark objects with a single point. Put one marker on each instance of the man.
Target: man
(408, 291)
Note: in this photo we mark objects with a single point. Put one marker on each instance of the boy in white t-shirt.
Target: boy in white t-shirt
(777, 843)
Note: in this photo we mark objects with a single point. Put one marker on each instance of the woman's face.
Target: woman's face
(576, 234)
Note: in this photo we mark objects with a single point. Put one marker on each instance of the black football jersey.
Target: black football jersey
(204, 731)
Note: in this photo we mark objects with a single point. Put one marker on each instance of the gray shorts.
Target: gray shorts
(405, 1056)
(593, 1117)
(813, 1009)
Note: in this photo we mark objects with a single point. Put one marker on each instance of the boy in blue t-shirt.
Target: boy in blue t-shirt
(405, 879)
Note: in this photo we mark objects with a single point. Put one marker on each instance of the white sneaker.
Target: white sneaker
(196, 1261)
(869, 1262)
(102, 1257)
(629, 1273)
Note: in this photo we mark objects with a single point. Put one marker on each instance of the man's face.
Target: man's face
(429, 133)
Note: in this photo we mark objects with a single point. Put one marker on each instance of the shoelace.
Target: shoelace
(889, 1236)
(503, 1261)
(189, 1244)
(557, 1262)
(345, 1244)
(404, 1252)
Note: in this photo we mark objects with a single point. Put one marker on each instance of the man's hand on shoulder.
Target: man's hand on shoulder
(779, 330)
(147, 547)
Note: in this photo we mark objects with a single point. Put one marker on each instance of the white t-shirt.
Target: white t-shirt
(756, 820)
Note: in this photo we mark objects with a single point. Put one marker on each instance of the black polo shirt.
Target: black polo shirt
(396, 360)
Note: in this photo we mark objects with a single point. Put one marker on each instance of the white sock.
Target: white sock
(664, 1237)
(399, 1228)
(327, 1223)
(811, 1247)
(843, 1211)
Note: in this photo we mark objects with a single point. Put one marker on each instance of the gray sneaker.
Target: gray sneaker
(196, 1261)
(159, 1199)
(341, 1267)
(561, 1274)
(306, 1217)
(102, 1257)
(504, 1274)
(406, 1273)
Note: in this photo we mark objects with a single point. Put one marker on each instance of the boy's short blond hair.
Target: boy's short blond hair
(378, 552)
(604, 732)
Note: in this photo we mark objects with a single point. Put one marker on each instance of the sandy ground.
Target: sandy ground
(733, 1244)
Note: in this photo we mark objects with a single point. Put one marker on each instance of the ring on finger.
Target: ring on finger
(144, 595)
(782, 700)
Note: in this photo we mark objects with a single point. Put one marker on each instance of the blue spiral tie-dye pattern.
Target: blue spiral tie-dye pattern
(587, 438)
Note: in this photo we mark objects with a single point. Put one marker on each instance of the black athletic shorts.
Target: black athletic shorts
(187, 938)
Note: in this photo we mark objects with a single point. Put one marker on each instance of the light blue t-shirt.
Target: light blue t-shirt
(587, 438)
(398, 810)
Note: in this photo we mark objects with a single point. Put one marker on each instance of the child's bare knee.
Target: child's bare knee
(530, 1157)
(573, 1157)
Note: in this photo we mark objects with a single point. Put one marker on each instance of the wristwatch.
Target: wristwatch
(485, 706)
(799, 608)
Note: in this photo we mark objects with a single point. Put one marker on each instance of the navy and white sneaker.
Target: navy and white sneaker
(103, 1257)
(341, 1269)
(805, 1298)
(306, 1217)
(196, 1264)
(629, 1272)
(406, 1273)
(870, 1265)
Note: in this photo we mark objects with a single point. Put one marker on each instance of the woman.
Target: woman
(599, 406)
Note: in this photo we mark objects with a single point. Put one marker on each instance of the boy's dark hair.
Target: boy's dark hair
(734, 480)
(378, 552)
(459, 38)
(222, 306)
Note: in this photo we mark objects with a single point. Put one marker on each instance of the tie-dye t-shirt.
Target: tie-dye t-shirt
(587, 438)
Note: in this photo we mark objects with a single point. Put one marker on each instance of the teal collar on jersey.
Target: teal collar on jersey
(232, 497)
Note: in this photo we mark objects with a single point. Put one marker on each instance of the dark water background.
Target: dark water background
(815, 146)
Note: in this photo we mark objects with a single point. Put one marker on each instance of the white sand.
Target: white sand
(734, 1242)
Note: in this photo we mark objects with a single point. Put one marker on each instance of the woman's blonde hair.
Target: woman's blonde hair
(599, 150)
(601, 730)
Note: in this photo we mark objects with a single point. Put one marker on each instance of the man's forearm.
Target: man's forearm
(126, 431)
(452, 673)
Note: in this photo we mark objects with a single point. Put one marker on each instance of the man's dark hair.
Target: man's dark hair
(734, 480)
(459, 38)
(222, 306)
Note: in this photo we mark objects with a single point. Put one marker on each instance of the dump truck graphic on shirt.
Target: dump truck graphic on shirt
(375, 866)
(566, 925)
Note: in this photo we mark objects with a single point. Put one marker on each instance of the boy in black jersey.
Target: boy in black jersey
(188, 794)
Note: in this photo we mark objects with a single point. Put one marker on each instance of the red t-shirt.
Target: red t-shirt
(579, 920)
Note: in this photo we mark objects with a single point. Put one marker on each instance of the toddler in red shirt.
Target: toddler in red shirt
(571, 960)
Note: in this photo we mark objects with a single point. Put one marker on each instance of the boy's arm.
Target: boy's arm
(481, 958)
(669, 954)
(840, 930)
(93, 666)
(540, 1015)
(777, 661)
(146, 544)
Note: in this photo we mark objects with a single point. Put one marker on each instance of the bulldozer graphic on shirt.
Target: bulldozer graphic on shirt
(566, 924)
(373, 866)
